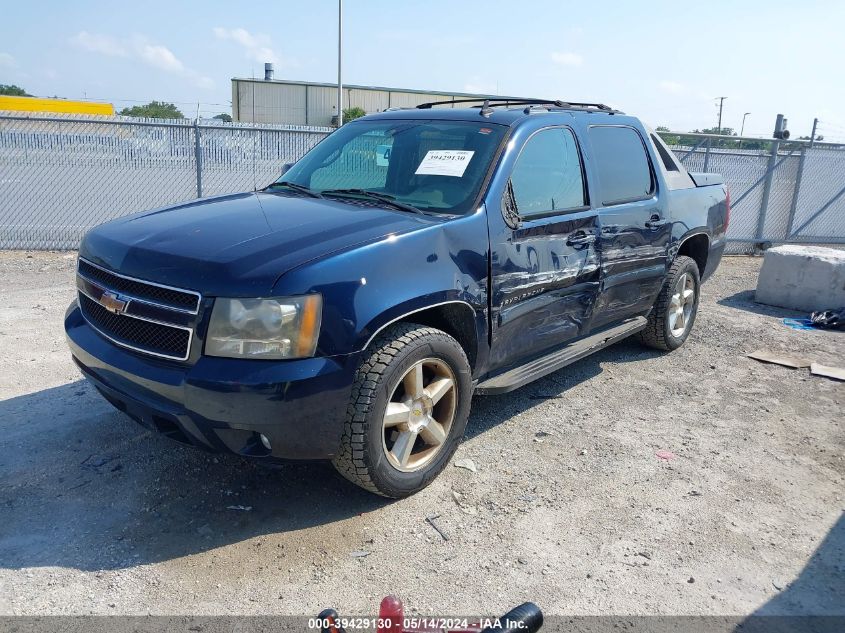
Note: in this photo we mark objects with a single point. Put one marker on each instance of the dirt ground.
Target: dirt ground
(570, 506)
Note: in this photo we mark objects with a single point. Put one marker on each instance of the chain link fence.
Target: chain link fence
(781, 191)
(61, 175)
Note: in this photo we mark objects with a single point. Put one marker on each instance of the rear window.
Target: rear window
(622, 163)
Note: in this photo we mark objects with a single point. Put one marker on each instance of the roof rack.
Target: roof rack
(497, 102)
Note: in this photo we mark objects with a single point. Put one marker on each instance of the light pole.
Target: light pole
(742, 129)
(339, 63)
(721, 103)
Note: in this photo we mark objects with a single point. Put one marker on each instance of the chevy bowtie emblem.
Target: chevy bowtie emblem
(112, 302)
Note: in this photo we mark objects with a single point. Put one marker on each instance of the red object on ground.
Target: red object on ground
(665, 455)
(391, 611)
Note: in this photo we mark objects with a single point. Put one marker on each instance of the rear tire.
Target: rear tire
(673, 315)
(407, 412)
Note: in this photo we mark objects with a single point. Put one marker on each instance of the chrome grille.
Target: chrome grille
(155, 293)
(142, 316)
(137, 334)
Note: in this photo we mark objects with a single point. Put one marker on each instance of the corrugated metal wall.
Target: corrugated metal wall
(322, 105)
(369, 100)
(410, 99)
(258, 101)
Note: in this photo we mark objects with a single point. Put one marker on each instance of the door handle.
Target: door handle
(655, 222)
(580, 238)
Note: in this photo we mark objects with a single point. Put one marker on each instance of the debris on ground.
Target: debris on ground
(241, 508)
(829, 319)
(837, 373)
(799, 324)
(467, 464)
(359, 553)
(776, 358)
(95, 462)
(665, 455)
(430, 519)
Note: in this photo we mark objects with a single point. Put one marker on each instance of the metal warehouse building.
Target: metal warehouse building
(310, 103)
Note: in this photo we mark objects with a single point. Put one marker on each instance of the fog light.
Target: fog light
(265, 441)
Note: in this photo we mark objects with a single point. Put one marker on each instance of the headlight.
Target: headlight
(286, 327)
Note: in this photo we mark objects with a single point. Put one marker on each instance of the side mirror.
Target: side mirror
(509, 209)
(285, 168)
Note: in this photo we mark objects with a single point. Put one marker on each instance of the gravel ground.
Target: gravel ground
(570, 506)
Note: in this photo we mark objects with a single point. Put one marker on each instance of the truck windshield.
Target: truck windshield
(435, 166)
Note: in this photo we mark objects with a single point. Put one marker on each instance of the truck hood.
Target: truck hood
(238, 245)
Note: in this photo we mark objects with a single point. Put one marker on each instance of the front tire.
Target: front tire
(407, 412)
(673, 315)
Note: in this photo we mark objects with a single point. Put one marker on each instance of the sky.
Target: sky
(665, 62)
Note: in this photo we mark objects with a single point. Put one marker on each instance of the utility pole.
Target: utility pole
(742, 129)
(813, 133)
(721, 103)
(339, 63)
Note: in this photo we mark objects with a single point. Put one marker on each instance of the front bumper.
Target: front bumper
(222, 404)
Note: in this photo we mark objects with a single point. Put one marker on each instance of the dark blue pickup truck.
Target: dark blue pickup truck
(413, 258)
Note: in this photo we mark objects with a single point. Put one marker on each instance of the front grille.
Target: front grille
(144, 336)
(139, 289)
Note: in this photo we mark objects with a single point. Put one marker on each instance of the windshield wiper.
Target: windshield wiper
(384, 198)
(298, 188)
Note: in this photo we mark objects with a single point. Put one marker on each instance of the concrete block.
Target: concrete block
(804, 278)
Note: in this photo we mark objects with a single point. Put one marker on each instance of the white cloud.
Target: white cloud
(140, 48)
(95, 43)
(7, 61)
(567, 58)
(159, 56)
(257, 47)
(672, 87)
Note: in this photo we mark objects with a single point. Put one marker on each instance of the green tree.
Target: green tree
(154, 110)
(350, 114)
(12, 90)
(669, 139)
(223, 117)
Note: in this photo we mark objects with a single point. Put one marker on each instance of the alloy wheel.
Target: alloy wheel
(681, 305)
(419, 415)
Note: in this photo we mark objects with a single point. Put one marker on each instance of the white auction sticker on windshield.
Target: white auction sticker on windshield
(445, 162)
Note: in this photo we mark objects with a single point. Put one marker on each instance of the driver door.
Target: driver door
(545, 263)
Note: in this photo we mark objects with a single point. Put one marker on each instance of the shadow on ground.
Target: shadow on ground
(818, 589)
(85, 487)
(490, 411)
(745, 301)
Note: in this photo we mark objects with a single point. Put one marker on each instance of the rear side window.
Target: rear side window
(622, 163)
(668, 161)
(547, 177)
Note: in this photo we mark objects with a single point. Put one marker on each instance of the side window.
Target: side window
(622, 164)
(547, 177)
(662, 151)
